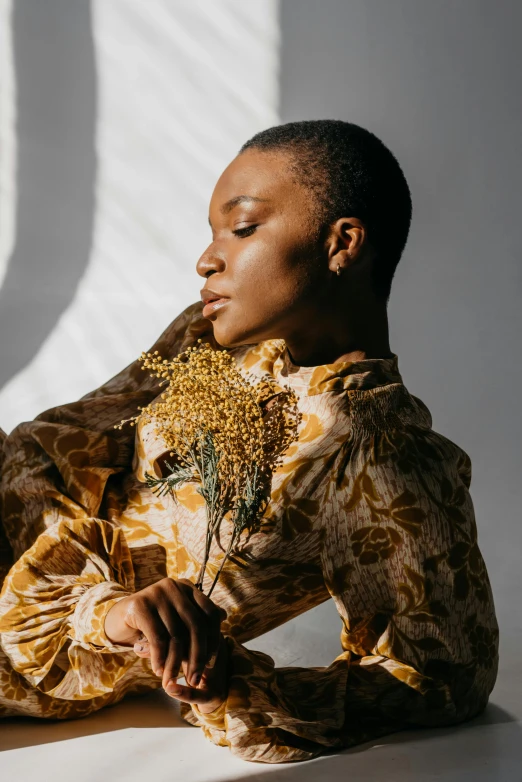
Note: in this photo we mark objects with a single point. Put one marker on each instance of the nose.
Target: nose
(209, 263)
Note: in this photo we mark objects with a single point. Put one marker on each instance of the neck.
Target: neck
(351, 337)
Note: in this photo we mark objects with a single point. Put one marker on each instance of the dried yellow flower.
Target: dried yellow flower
(212, 417)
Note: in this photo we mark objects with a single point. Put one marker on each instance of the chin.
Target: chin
(234, 337)
(229, 339)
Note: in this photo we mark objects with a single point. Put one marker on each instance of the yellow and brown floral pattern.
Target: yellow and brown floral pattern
(370, 507)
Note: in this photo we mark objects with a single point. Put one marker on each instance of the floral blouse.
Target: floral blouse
(369, 507)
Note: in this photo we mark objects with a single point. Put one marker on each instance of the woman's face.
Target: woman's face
(265, 256)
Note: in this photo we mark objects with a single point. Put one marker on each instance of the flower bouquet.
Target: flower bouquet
(225, 430)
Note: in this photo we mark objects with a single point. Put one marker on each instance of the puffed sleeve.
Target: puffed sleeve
(53, 605)
(6, 554)
(419, 635)
(57, 466)
(70, 563)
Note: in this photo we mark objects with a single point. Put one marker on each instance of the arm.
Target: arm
(72, 566)
(56, 599)
(57, 466)
(52, 607)
(397, 514)
(6, 554)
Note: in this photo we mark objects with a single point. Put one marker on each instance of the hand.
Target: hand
(178, 622)
(213, 687)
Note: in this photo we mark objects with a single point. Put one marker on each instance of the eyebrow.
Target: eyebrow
(229, 205)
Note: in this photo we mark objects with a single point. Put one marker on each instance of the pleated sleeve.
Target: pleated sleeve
(53, 605)
(71, 564)
(419, 637)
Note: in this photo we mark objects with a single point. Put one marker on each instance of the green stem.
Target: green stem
(232, 541)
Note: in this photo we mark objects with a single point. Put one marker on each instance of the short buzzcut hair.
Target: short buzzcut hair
(351, 173)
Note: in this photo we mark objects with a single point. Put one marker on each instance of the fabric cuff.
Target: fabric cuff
(88, 619)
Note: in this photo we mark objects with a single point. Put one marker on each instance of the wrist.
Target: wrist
(87, 622)
(115, 628)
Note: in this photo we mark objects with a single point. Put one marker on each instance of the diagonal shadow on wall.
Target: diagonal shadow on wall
(56, 92)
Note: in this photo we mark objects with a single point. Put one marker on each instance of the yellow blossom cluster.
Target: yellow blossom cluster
(206, 392)
(227, 430)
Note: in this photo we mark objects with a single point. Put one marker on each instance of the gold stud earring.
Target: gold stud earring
(339, 269)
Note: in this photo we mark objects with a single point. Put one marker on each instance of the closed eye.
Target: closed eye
(242, 232)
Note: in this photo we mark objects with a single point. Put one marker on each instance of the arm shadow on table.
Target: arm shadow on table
(153, 710)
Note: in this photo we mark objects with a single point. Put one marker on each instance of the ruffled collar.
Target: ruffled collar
(338, 377)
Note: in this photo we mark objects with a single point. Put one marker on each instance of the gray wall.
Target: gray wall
(107, 163)
(439, 82)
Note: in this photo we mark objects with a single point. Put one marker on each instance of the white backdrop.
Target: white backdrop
(179, 87)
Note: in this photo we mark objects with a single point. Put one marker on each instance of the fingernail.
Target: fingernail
(159, 672)
(196, 679)
(173, 687)
(139, 647)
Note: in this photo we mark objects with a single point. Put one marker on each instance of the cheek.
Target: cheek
(270, 279)
(269, 271)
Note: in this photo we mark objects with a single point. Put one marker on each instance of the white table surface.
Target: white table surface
(143, 739)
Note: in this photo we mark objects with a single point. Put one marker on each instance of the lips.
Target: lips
(212, 300)
(212, 305)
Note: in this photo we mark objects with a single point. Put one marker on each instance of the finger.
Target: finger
(178, 648)
(166, 607)
(211, 663)
(203, 600)
(181, 692)
(156, 634)
(209, 606)
(215, 615)
(142, 648)
(189, 694)
(196, 622)
(198, 649)
(174, 660)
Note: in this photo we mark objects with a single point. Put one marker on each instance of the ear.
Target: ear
(345, 242)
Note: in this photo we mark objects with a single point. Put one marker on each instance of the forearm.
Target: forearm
(53, 605)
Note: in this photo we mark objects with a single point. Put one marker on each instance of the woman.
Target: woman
(370, 506)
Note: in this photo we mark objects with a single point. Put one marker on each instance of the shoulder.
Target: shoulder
(390, 427)
(386, 407)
